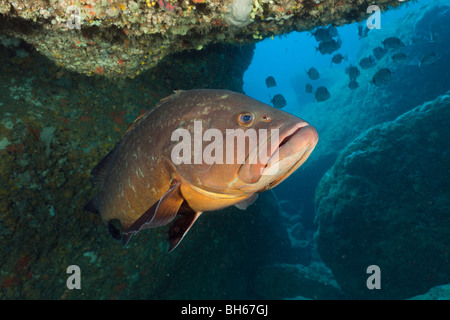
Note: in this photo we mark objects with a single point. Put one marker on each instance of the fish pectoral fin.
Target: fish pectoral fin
(247, 202)
(168, 206)
(160, 214)
(180, 227)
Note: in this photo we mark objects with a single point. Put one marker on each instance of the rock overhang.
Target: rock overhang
(125, 38)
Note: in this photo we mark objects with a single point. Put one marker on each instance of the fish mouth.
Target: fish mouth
(295, 145)
(291, 134)
(286, 139)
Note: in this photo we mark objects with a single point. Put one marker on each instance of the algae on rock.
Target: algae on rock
(122, 39)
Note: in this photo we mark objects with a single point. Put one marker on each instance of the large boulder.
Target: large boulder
(386, 202)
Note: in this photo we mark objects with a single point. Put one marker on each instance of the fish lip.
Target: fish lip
(251, 172)
(292, 132)
(289, 134)
(286, 137)
(307, 149)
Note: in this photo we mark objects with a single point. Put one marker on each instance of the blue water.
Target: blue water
(287, 57)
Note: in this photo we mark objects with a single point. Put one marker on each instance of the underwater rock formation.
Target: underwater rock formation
(436, 293)
(385, 202)
(284, 281)
(123, 38)
(370, 105)
(55, 125)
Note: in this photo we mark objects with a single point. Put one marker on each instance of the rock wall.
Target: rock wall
(55, 125)
(386, 202)
(288, 281)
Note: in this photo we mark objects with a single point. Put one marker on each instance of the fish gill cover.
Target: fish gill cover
(67, 97)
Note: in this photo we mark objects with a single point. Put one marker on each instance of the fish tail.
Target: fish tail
(115, 232)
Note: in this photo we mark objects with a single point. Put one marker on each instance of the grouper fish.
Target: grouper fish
(144, 184)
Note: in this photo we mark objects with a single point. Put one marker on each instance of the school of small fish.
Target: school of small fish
(330, 42)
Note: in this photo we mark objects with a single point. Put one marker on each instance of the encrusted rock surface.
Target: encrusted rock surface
(55, 126)
(288, 281)
(123, 38)
(436, 293)
(386, 202)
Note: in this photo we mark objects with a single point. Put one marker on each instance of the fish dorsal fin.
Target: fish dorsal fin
(101, 170)
(247, 202)
(169, 97)
(160, 214)
(139, 118)
(180, 227)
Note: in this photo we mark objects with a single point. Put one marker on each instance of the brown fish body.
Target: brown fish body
(143, 186)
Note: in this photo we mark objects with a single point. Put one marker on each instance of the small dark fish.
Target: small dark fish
(322, 34)
(363, 31)
(332, 31)
(393, 43)
(382, 77)
(330, 46)
(308, 88)
(353, 72)
(313, 74)
(429, 58)
(399, 57)
(353, 85)
(322, 94)
(337, 58)
(270, 82)
(379, 53)
(367, 62)
(279, 101)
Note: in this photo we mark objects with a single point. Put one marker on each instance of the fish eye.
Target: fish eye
(245, 119)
